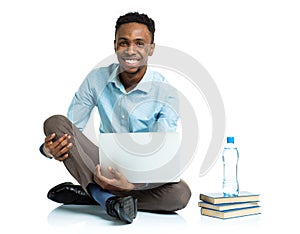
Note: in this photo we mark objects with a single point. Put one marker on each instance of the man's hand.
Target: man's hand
(58, 148)
(117, 183)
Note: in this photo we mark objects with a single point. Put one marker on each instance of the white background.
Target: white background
(250, 48)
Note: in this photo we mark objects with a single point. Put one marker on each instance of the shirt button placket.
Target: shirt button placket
(123, 114)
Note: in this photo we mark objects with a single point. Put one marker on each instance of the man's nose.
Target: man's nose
(131, 49)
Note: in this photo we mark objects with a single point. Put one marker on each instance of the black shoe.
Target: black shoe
(123, 208)
(68, 193)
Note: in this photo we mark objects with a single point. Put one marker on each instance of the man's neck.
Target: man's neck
(130, 80)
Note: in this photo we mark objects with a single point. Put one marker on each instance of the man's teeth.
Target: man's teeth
(130, 61)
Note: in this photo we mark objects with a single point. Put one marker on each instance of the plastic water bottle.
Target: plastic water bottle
(230, 168)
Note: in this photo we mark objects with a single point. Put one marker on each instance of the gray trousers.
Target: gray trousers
(84, 156)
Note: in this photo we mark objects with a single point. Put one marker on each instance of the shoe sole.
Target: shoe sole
(129, 209)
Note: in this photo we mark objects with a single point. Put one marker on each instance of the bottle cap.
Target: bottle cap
(230, 139)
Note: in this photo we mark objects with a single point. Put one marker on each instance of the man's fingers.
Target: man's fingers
(61, 142)
(62, 157)
(97, 171)
(99, 177)
(49, 137)
(114, 172)
(65, 149)
(59, 147)
(61, 153)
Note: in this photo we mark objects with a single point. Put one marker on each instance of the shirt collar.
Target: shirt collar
(113, 78)
(144, 85)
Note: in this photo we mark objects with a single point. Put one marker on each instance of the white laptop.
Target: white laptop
(151, 157)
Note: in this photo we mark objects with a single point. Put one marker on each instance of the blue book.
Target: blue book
(231, 213)
(227, 206)
(219, 198)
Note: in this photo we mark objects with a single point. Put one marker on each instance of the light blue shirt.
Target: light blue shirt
(152, 106)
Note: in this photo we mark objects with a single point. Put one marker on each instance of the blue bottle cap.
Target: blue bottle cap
(230, 139)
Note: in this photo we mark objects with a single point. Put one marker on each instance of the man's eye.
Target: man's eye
(140, 44)
(123, 43)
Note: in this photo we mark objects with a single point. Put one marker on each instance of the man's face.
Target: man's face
(133, 45)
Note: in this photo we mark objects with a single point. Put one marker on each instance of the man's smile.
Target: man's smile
(131, 62)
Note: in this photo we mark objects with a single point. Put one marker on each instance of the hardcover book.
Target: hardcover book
(230, 213)
(219, 198)
(227, 206)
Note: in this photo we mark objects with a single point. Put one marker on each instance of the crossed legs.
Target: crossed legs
(83, 157)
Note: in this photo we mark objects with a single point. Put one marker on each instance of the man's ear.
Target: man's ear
(152, 47)
(115, 46)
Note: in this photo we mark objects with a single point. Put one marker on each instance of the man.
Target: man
(126, 97)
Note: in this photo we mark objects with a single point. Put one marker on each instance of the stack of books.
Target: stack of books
(220, 206)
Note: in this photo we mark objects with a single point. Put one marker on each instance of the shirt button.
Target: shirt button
(123, 116)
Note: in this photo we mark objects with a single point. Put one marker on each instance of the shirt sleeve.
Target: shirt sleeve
(43, 152)
(82, 105)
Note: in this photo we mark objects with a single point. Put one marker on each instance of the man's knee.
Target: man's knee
(56, 124)
(179, 197)
(184, 195)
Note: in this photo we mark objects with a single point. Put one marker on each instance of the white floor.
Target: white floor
(37, 214)
(92, 219)
(89, 219)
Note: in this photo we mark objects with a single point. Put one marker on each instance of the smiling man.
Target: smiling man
(133, 45)
(130, 97)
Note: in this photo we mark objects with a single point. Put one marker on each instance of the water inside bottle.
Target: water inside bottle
(230, 181)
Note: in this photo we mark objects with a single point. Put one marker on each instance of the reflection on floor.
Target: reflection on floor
(89, 217)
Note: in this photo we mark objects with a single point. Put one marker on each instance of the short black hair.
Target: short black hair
(135, 17)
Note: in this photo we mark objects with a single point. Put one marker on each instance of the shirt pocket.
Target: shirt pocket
(144, 116)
